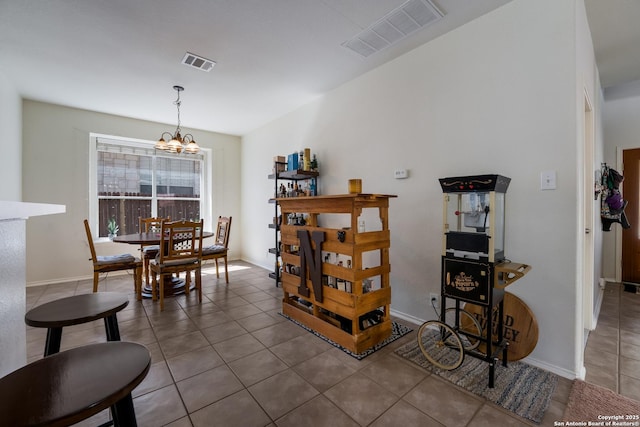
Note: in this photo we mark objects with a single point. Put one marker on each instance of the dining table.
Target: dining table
(175, 285)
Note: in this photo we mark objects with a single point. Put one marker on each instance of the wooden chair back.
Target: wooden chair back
(223, 231)
(180, 250)
(220, 248)
(180, 242)
(87, 229)
(92, 248)
(147, 225)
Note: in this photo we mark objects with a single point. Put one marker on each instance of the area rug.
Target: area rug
(520, 388)
(590, 402)
(397, 331)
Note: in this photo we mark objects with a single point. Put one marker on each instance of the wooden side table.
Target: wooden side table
(73, 385)
(75, 310)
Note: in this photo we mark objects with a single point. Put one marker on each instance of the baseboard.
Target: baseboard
(407, 317)
(268, 267)
(73, 279)
(565, 373)
(597, 308)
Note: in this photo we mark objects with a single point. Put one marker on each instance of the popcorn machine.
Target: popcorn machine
(474, 268)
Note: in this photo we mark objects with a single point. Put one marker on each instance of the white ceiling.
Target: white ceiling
(615, 29)
(123, 57)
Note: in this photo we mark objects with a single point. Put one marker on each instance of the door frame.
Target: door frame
(618, 230)
(588, 214)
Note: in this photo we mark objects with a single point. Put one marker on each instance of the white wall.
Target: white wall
(588, 292)
(56, 162)
(620, 117)
(12, 299)
(495, 96)
(10, 143)
(13, 217)
(621, 130)
(13, 351)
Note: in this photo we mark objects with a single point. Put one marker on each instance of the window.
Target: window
(130, 180)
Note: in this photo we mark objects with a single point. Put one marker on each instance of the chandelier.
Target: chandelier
(176, 143)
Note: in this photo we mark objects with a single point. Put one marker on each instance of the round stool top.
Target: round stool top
(76, 309)
(68, 387)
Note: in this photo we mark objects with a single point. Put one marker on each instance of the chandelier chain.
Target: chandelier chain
(177, 104)
(177, 143)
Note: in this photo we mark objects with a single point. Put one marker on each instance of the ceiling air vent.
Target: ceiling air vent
(394, 26)
(195, 61)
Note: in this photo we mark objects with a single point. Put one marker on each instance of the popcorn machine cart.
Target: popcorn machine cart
(474, 271)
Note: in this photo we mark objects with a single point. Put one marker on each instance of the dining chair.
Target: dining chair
(149, 252)
(121, 262)
(180, 251)
(220, 248)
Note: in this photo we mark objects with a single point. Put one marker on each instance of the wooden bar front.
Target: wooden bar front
(338, 313)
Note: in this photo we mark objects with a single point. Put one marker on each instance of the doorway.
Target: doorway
(631, 236)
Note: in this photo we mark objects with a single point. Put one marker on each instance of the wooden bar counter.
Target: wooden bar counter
(343, 306)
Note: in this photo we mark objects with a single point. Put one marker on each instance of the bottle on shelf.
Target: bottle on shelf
(347, 283)
(340, 283)
(330, 280)
(307, 160)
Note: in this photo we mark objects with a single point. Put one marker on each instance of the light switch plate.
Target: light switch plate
(548, 180)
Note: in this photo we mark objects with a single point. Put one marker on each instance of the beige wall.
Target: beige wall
(55, 170)
(498, 95)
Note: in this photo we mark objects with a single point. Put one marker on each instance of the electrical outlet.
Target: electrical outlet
(434, 299)
(400, 174)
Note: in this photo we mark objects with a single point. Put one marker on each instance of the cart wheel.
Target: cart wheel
(468, 328)
(441, 345)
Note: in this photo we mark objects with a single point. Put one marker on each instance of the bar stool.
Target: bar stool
(73, 385)
(75, 310)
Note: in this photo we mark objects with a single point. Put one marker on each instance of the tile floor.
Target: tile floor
(612, 355)
(233, 361)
